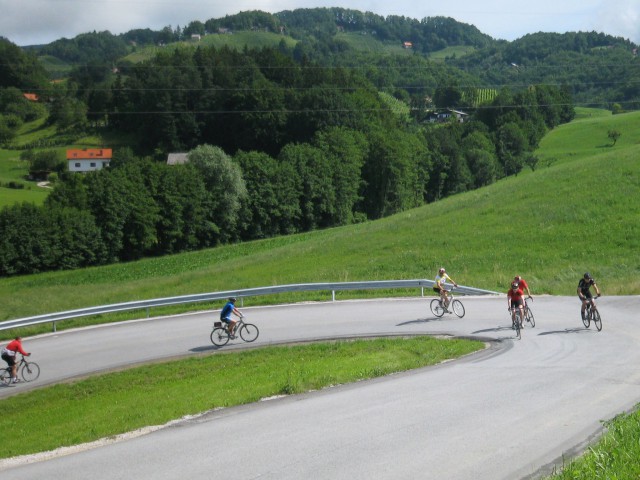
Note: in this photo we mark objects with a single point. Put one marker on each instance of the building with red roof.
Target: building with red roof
(88, 159)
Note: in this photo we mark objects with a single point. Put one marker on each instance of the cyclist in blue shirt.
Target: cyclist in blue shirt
(225, 314)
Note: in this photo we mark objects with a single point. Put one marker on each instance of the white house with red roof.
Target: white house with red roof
(88, 159)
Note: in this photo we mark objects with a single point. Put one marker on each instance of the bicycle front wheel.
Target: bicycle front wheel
(529, 317)
(436, 308)
(586, 320)
(458, 308)
(219, 337)
(517, 324)
(5, 377)
(597, 320)
(249, 332)
(30, 371)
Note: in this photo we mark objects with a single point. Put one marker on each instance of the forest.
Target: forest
(283, 139)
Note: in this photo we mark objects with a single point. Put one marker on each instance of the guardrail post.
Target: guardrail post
(333, 295)
(54, 327)
(147, 312)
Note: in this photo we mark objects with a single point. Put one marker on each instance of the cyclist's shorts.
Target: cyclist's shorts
(9, 359)
(226, 320)
(436, 289)
(517, 303)
(587, 295)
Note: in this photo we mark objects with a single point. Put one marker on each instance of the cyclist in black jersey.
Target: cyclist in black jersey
(584, 291)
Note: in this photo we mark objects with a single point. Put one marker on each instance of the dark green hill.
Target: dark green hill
(599, 69)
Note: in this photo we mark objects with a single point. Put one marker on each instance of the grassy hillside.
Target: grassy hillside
(252, 39)
(587, 136)
(549, 225)
(55, 67)
(368, 43)
(237, 40)
(452, 52)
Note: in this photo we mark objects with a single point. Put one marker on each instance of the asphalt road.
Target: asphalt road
(510, 412)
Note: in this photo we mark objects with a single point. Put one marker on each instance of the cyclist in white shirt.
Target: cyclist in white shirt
(440, 287)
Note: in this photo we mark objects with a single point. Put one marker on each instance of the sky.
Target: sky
(33, 22)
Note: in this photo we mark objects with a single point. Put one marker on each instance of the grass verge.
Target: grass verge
(119, 402)
(615, 455)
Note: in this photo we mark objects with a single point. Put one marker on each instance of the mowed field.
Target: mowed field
(579, 213)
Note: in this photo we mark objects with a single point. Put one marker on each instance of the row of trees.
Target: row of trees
(140, 207)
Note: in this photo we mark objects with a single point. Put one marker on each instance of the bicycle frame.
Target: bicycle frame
(236, 327)
(220, 335)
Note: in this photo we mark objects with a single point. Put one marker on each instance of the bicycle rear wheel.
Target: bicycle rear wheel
(529, 318)
(596, 319)
(458, 308)
(436, 307)
(249, 332)
(219, 337)
(5, 377)
(30, 371)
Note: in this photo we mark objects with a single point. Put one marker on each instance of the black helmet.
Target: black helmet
(587, 276)
(515, 285)
(232, 299)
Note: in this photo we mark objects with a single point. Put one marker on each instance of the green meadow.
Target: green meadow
(451, 52)
(236, 40)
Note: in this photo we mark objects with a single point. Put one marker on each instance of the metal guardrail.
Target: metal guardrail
(249, 292)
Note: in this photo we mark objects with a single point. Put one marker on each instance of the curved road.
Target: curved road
(510, 412)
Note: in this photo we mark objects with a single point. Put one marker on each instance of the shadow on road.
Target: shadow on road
(496, 329)
(206, 348)
(420, 320)
(568, 330)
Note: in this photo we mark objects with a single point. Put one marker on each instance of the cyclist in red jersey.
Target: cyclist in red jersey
(515, 299)
(9, 355)
(522, 284)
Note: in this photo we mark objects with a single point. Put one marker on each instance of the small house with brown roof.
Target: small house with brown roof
(177, 158)
(88, 159)
(447, 115)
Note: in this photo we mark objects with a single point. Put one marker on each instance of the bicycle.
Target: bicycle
(437, 308)
(516, 323)
(528, 314)
(220, 336)
(591, 314)
(29, 371)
